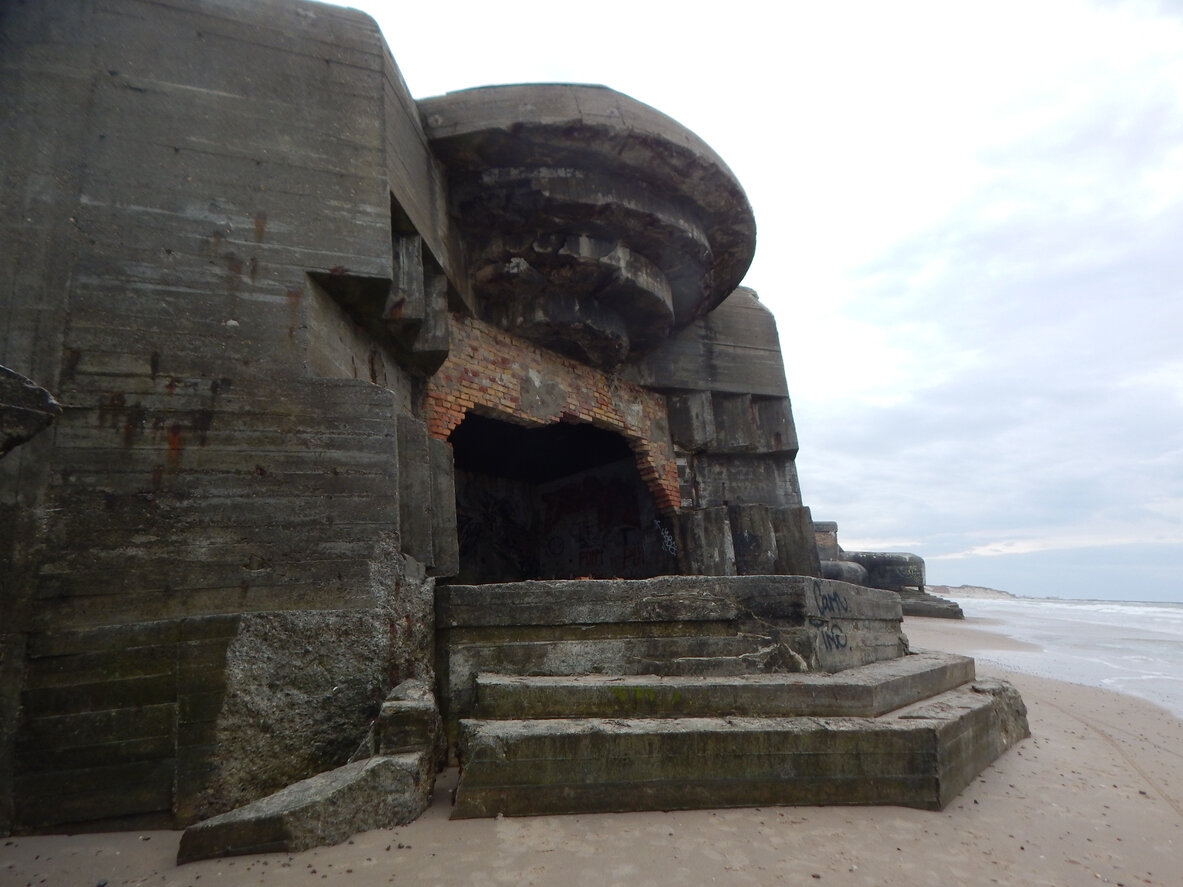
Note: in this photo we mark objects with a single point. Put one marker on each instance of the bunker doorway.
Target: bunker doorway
(558, 502)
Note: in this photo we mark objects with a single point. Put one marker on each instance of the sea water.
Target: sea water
(1132, 648)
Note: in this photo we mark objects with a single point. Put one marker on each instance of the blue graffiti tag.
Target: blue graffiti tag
(832, 634)
(831, 602)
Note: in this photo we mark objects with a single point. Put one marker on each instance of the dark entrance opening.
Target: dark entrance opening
(559, 502)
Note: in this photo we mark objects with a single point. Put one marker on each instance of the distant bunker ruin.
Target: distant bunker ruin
(347, 437)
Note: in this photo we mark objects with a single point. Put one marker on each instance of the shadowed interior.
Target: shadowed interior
(557, 502)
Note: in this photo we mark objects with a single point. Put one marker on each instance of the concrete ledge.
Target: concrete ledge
(975, 724)
(592, 602)
(865, 691)
(921, 603)
(325, 809)
(662, 599)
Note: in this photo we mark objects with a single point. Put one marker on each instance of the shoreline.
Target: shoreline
(1096, 795)
(974, 635)
(1132, 648)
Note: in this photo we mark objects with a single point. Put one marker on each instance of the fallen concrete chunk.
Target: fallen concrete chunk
(410, 721)
(26, 409)
(326, 809)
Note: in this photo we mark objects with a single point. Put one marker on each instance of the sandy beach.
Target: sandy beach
(1094, 796)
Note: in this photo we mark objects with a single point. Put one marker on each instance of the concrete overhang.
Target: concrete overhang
(592, 222)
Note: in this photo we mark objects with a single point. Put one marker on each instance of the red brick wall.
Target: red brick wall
(485, 372)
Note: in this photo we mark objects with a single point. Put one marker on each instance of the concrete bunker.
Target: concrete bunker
(266, 352)
(558, 501)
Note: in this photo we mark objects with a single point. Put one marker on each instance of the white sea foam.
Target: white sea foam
(1133, 648)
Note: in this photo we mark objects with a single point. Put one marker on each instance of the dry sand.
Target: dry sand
(1095, 796)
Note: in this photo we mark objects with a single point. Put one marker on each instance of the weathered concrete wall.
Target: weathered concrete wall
(826, 534)
(734, 349)
(192, 190)
(732, 427)
(316, 679)
(887, 569)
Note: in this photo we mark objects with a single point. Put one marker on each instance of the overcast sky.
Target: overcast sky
(969, 222)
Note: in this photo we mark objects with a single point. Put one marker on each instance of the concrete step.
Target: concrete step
(921, 756)
(668, 625)
(673, 655)
(865, 691)
(580, 626)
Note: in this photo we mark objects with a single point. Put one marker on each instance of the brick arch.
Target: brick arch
(500, 376)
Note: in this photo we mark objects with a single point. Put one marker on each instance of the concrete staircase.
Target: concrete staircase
(696, 692)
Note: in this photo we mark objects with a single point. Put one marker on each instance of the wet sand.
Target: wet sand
(1094, 797)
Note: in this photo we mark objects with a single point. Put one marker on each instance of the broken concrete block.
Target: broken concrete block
(796, 551)
(775, 431)
(378, 792)
(844, 571)
(706, 542)
(26, 409)
(754, 539)
(735, 427)
(409, 720)
(692, 420)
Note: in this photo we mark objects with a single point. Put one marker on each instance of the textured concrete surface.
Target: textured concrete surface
(734, 349)
(889, 569)
(672, 625)
(924, 603)
(229, 446)
(624, 219)
(315, 679)
(378, 792)
(921, 757)
(864, 691)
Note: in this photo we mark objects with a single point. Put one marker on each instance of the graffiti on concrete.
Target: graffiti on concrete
(829, 602)
(668, 545)
(832, 635)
